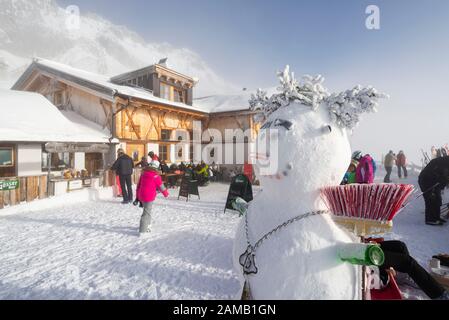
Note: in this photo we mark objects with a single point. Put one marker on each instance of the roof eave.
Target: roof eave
(35, 65)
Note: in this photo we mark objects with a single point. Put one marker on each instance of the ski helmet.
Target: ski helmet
(357, 155)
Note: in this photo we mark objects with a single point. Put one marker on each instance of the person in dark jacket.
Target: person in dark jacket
(432, 180)
(123, 167)
(398, 257)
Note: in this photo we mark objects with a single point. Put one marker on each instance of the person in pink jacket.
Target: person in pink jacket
(150, 181)
(365, 170)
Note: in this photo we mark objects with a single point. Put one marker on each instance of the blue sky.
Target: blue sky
(247, 41)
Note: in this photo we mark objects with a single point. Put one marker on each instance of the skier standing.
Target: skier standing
(432, 180)
(123, 167)
(365, 170)
(401, 162)
(389, 162)
(150, 181)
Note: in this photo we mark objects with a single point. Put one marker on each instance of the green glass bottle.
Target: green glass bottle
(367, 254)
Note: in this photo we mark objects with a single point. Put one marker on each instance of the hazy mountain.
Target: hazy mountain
(41, 28)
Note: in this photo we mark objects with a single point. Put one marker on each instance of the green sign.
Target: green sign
(6, 185)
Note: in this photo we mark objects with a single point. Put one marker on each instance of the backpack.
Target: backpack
(365, 170)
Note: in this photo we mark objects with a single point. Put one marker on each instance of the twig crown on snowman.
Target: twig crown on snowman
(345, 107)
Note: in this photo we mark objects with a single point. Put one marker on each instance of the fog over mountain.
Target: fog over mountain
(39, 28)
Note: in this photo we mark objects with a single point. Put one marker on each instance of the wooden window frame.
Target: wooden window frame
(167, 145)
(166, 129)
(181, 93)
(167, 87)
(13, 157)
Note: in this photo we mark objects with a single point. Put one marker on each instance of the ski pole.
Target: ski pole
(420, 195)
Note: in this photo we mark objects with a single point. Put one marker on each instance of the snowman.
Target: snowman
(286, 245)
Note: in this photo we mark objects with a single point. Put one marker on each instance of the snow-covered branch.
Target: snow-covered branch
(344, 107)
(347, 106)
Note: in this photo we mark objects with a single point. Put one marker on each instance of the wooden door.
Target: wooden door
(94, 163)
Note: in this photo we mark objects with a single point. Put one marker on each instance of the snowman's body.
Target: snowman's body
(300, 261)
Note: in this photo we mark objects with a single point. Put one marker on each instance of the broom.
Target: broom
(366, 206)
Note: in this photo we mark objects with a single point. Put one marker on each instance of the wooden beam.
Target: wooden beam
(107, 112)
(239, 123)
(155, 125)
(130, 121)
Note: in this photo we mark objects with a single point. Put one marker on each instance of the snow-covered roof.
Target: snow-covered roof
(227, 103)
(30, 117)
(224, 103)
(102, 84)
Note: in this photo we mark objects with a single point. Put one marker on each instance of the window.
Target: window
(140, 81)
(59, 161)
(179, 95)
(6, 157)
(163, 152)
(165, 135)
(165, 91)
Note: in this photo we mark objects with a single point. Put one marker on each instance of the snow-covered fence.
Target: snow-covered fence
(28, 189)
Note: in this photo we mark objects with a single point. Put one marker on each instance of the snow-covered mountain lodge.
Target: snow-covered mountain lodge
(142, 108)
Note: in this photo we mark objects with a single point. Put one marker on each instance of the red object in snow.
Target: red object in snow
(391, 292)
(248, 171)
(119, 188)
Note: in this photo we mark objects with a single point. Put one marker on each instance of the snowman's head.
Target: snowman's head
(303, 142)
(301, 148)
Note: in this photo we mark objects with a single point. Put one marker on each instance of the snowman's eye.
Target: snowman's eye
(283, 123)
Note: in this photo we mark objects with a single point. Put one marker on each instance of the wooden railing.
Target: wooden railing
(35, 187)
(109, 177)
(30, 188)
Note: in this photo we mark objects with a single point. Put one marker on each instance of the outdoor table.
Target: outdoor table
(166, 176)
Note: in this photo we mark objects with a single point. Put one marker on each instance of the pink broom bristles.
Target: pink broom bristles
(379, 202)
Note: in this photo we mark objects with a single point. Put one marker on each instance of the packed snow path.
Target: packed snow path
(85, 245)
(91, 250)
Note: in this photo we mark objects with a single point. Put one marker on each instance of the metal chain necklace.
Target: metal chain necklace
(247, 259)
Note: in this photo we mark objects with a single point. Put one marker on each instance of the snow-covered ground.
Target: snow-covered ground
(85, 245)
